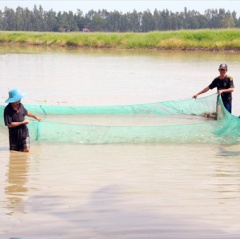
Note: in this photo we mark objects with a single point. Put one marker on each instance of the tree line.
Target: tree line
(23, 19)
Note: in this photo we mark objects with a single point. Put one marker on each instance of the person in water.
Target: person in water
(14, 118)
(224, 85)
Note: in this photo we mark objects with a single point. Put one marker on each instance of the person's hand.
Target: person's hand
(38, 118)
(220, 92)
(195, 96)
(25, 121)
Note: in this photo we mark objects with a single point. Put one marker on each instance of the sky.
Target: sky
(124, 5)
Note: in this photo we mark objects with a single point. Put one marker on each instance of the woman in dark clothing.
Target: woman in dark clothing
(14, 117)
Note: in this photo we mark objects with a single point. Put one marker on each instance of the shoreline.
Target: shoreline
(204, 50)
(227, 40)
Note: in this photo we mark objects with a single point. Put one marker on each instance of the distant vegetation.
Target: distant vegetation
(213, 40)
(23, 19)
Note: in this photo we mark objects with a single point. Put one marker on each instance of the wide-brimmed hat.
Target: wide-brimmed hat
(14, 96)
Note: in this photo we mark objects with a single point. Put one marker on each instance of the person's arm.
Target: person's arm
(29, 114)
(201, 92)
(229, 90)
(16, 124)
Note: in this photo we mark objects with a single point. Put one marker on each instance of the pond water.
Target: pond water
(161, 190)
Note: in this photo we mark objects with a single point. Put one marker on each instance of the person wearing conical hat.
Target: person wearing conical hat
(224, 85)
(14, 118)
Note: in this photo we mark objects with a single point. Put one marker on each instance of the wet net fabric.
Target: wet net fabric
(201, 120)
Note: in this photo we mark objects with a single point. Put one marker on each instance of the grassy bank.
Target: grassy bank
(219, 40)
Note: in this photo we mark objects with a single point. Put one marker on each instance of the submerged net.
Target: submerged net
(183, 121)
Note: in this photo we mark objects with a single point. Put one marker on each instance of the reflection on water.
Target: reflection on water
(183, 55)
(225, 152)
(17, 178)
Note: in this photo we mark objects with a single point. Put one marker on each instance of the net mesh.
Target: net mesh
(183, 121)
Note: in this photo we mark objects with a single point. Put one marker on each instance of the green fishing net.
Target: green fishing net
(201, 120)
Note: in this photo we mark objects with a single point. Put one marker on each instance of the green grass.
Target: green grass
(218, 40)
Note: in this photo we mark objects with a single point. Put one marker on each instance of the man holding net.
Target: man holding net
(224, 85)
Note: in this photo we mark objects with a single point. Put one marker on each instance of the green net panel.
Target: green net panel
(183, 121)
